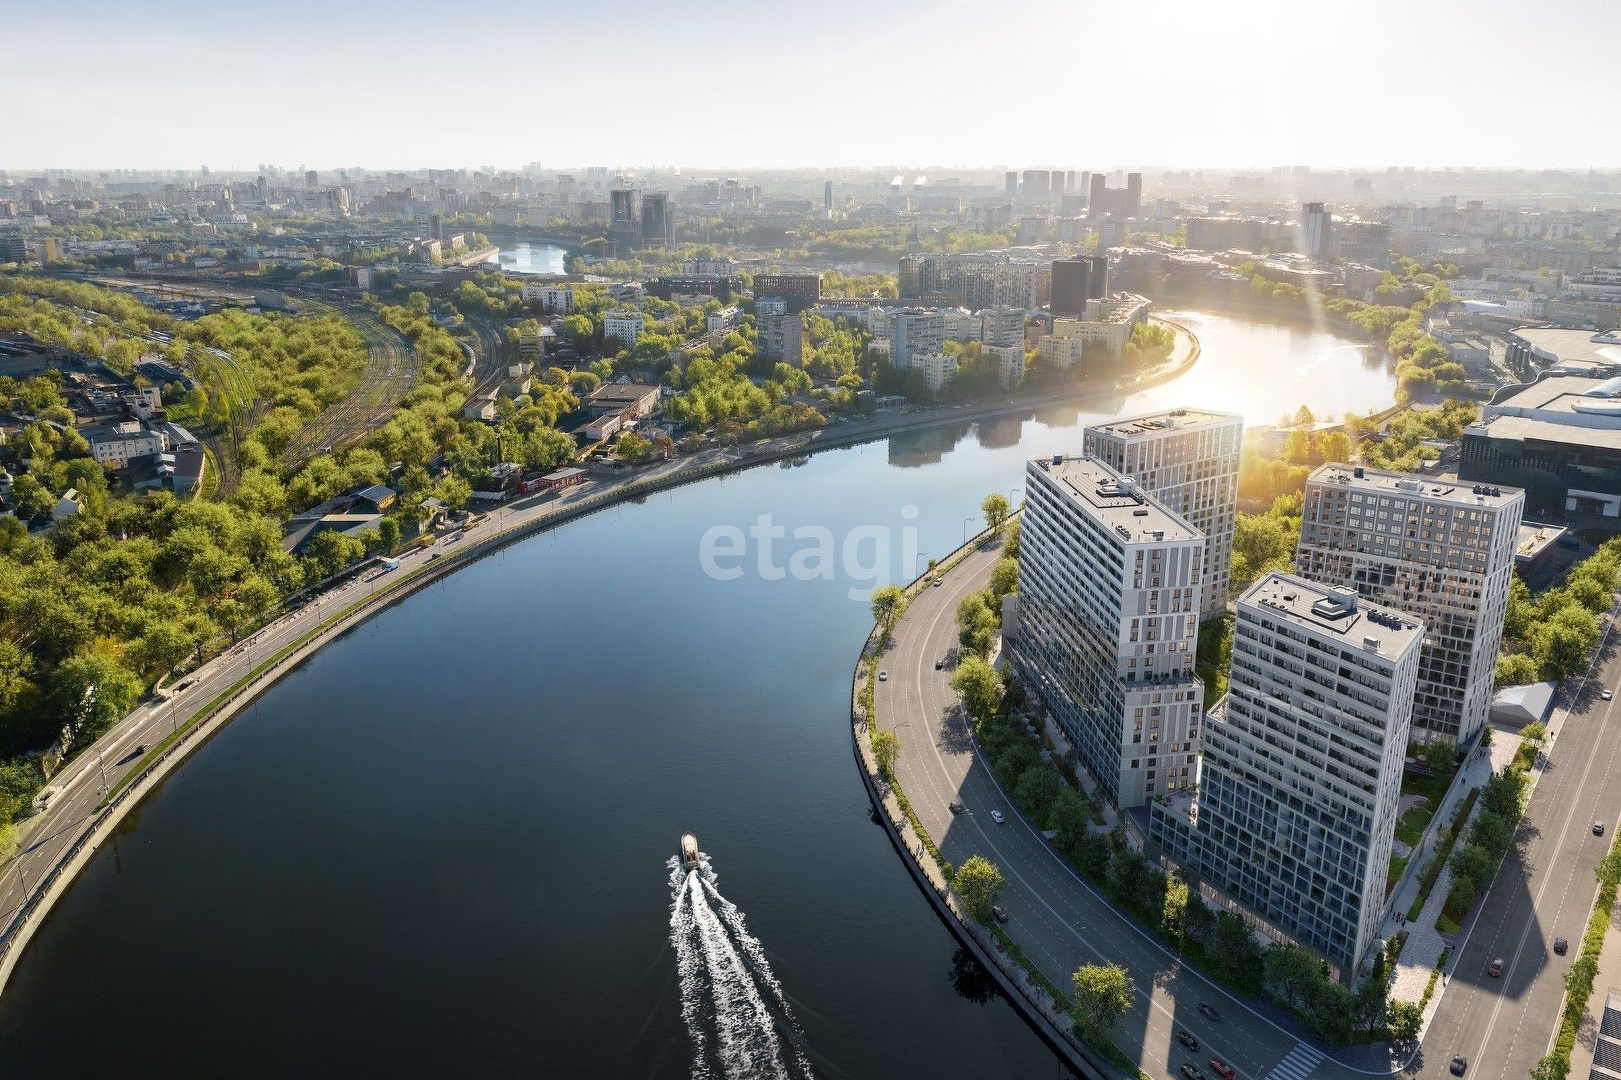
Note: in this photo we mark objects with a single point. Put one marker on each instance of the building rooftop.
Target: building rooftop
(1434, 488)
(1520, 428)
(1335, 610)
(1559, 393)
(1534, 539)
(1553, 344)
(1157, 423)
(1116, 500)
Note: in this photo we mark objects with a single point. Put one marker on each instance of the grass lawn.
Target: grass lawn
(1410, 829)
(1397, 865)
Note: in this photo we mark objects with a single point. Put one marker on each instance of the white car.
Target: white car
(883, 676)
(996, 816)
(1606, 695)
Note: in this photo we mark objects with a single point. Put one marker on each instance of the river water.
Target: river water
(442, 846)
(532, 259)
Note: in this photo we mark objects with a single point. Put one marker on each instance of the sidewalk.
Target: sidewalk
(1424, 941)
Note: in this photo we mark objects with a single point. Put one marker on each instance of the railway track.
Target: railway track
(391, 367)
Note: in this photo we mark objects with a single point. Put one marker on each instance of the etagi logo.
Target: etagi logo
(865, 552)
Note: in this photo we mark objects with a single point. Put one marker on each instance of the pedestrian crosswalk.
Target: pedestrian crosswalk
(1297, 1065)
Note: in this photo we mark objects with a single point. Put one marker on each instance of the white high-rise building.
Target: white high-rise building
(781, 337)
(1109, 588)
(1300, 783)
(913, 333)
(1188, 459)
(1002, 327)
(937, 368)
(1438, 549)
(623, 325)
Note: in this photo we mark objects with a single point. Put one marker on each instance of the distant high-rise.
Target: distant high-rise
(1314, 230)
(312, 179)
(1109, 585)
(914, 333)
(1037, 182)
(623, 227)
(622, 203)
(436, 225)
(1134, 194)
(827, 198)
(1095, 197)
(1071, 286)
(1012, 183)
(1440, 549)
(1069, 182)
(1097, 282)
(655, 220)
(1056, 185)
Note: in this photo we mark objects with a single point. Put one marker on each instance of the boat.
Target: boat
(689, 851)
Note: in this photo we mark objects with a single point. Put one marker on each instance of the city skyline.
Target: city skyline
(1255, 85)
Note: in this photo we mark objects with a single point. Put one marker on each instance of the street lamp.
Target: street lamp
(915, 558)
(965, 522)
(1012, 500)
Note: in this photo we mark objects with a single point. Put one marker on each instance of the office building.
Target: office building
(1314, 230)
(800, 290)
(1095, 194)
(1011, 184)
(1108, 322)
(623, 325)
(1097, 281)
(914, 332)
(113, 445)
(1109, 592)
(1037, 184)
(1436, 548)
(1187, 459)
(553, 300)
(312, 180)
(1071, 286)
(781, 337)
(1301, 777)
(1559, 437)
(770, 305)
(656, 220)
(1002, 326)
(827, 198)
(1134, 195)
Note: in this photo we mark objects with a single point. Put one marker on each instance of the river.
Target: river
(439, 847)
(532, 259)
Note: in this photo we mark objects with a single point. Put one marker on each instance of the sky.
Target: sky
(1060, 83)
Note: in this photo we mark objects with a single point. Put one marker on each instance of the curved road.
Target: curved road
(1502, 1026)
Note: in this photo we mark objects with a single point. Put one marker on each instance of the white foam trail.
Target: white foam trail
(689, 970)
(723, 972)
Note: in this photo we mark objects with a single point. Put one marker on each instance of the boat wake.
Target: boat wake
(737, 1017)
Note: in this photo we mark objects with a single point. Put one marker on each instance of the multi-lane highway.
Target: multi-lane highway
(1500, 1025)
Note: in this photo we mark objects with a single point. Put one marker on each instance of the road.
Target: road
(1501, 1025)
(1545, 889)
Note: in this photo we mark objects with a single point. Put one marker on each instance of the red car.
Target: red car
(1222, 1069)
(1495, 969)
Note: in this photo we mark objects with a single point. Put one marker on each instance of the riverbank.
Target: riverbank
(108, 779)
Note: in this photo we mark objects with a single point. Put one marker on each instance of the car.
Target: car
(939, 664)
(883, 676)
(1186, 1039)
(1495, 968)
(140, 748)
(999, 913)
(1598, 828)
(1605, 694)
(1459, 1064)
(1208, 1011)
(1222, 1069)
(453, 537)
(436, 554)
(996, 816)
(957, 808)
(1560, 946)
(939, 582)
(1191, 1072)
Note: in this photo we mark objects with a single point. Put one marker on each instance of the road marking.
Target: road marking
(1297, 1065)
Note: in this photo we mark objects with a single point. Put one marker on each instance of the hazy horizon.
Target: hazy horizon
(1240, 84)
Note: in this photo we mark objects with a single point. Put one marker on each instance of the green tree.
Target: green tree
(886, 748)
(1010, 545)
(91, 693)
(1517, 669)
(634, 449)
(1173, 913)
(1035, 790)
(979, 882)
(979, 686)
(1439, 756)
(886, 606)
(1103, 995)
(1004, 577)
(1403, 1020)
(995, 508)
(1474, 863)
(1462, 894)
(1503, 795)
(1491, 832)
(16, 673)
(1292, 974)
